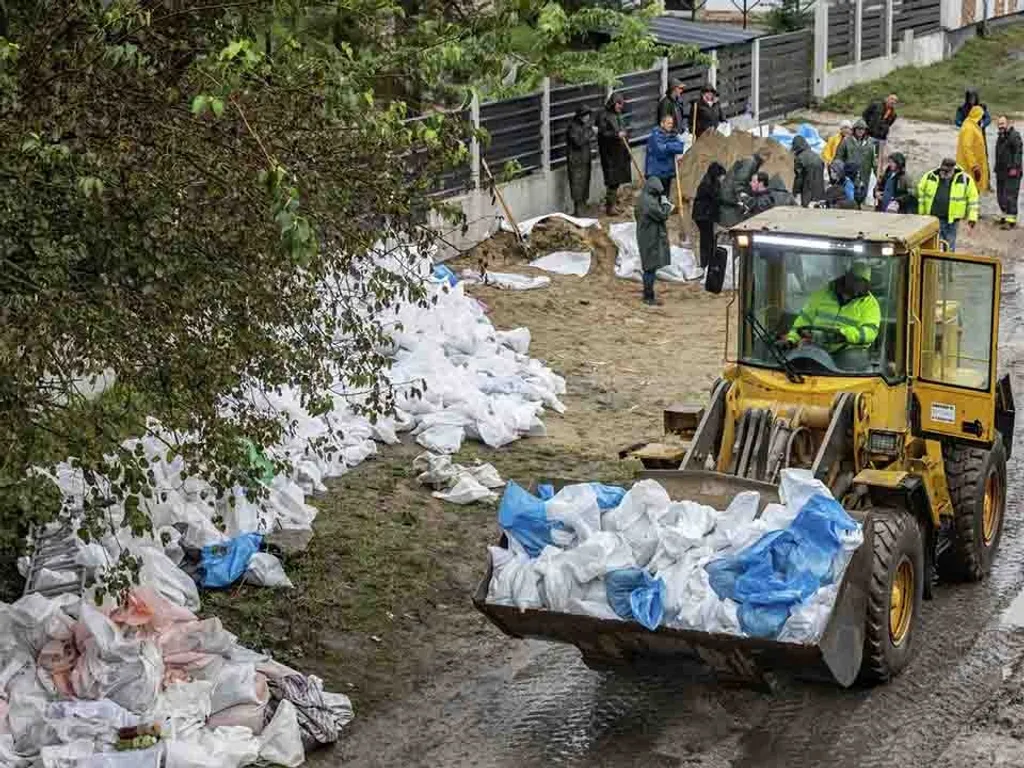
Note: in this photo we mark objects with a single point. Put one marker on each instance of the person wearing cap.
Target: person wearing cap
(846, 307)
(894, 192)
(578, 143)
(672, 104)
(949, 194)
(707, 112)
(611, 145)
(828, 154)
(857, 152)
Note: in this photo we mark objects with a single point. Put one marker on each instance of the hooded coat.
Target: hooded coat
(858, 154)
(879, 119)
(970, 100)
(651, 215)
(808, 173)
(706, 200)
(902, 188)
(578, 144)
(705, 117)
(735, 187)
(668, 105)
(971, 154)
(615, 163)
(1008, 152)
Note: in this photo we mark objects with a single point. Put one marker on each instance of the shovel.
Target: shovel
(520, 239)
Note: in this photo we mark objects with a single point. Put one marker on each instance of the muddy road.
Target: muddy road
(527, 703)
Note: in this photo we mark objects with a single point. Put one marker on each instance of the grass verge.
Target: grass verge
(993, 65)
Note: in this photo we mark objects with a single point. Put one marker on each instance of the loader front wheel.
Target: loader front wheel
(894, 596)
(977, 488)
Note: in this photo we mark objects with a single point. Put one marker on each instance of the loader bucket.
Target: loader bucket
(835, 658)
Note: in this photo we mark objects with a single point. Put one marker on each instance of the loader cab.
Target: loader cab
(791, 288)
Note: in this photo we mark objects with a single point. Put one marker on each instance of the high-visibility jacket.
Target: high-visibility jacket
(963, 195)
(857, 320)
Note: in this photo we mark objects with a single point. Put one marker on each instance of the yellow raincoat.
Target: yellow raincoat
(970, 149)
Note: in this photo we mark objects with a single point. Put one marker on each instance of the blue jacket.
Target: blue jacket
(662, 149)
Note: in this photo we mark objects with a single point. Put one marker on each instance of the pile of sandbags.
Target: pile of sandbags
(149, 684)
(637, 555)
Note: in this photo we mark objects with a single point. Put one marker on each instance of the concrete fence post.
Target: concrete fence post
(858, 30)
(713, 70)
(545, 124)
(888, 28)
(821, 49)
(755, 80)
(474, 143)
(663, 66)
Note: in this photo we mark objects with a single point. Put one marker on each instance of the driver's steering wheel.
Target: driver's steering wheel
(827, 335)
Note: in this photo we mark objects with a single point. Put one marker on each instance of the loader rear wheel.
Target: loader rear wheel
(894, 595)
(977, 488)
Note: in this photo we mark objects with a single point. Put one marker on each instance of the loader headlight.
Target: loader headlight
(885, 443)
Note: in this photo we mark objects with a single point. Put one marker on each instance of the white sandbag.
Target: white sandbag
(575, 507)
(265, 570)
(636, 518)
(689, 519)
(506, 280)
(733, 527)
(518, 339)
(466, 490)
(526, 227)
(514, 580)
(84, 719)
(796, 486)
(564, 263)
(442, 438)
(235, 685)
(572, 573)
(595, 608)
(224, 747)
(9, 758)
(136, 758)
(807, 620)
(183, 707)
(281, 740)
(47, 579)
(486, 475)
(65, 755)
(167, 579)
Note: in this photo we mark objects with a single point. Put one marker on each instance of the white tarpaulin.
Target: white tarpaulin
(682, 268)
(508, 281)
(526, 227)
(564, 263)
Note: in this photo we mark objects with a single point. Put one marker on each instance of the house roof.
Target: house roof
(673, 30)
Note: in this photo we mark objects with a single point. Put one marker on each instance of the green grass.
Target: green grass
(993, 65)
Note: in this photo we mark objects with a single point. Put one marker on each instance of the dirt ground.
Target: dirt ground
(382, 608)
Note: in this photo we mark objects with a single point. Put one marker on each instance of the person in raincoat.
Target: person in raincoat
(828, 154)
(652, 211)
(615, 163)
(971, 154)
(894, 192)
(578, 142)
(662, 147)
(808, 173)
(1008, 170)
(857, 152)
(971, 100)
(705, 210)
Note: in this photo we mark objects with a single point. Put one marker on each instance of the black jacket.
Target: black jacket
(578, 140)
(705, 202)
(775, 194)
(808, 173)
(708, 117)
(878, 123)
(735, 189)
(615, 163)
(1008, 151)
(669, 106)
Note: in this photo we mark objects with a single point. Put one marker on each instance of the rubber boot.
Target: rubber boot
(609, 204)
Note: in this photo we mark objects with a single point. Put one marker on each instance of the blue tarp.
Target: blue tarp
(524, 515)
(223, 564)
(443, 274)
(783, 568)
(785, 137)
(636, 595)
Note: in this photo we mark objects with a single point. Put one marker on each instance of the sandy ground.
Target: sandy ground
(436, 685)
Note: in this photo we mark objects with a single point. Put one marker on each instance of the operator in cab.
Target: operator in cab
(842, 317)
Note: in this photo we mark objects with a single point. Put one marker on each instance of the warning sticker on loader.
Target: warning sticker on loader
(944, 413)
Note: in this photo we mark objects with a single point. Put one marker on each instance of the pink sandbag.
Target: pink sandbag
(58, 657)
(145, 609)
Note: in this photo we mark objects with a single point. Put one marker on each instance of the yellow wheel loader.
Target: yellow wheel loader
(893, 403)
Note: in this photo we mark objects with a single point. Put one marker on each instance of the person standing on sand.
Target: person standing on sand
(971, 153)
(578, 142)
(652, 211)
(808, 173)
(948, 193)
(1008, 171)
(663, 145)
(672, 103)
(705, 211)
(706, 113)
(611, 144)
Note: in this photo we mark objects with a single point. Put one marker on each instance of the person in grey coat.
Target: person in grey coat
(578, 142)
(652, 211)
(808, 173)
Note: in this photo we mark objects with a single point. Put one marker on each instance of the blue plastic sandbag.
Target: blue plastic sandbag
(608, 496)
(443, 274)
(545, 491)
(782, 568)
(523, 515)
(636, 595)
(224, 564)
